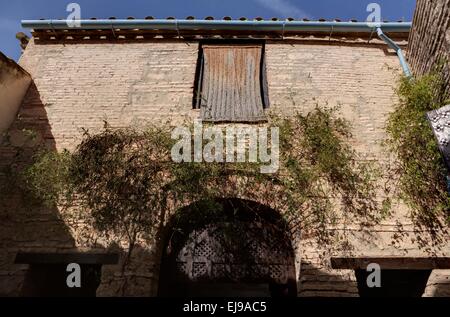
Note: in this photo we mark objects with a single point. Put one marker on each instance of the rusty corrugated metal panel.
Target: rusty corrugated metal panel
(231, 83)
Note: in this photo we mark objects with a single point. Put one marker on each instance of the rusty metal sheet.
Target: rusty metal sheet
(440, 123)
(231, 88)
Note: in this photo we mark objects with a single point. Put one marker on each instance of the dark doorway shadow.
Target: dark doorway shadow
(243, 252)
(49, 280)
(394, 283)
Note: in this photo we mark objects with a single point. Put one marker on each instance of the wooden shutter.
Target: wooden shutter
(231, 83)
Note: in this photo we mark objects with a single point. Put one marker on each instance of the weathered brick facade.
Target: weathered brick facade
(79, 86)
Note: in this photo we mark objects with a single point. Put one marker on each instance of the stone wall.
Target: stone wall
(429, 41)
(80, 86)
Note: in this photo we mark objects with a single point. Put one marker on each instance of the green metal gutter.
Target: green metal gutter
(398, 50)
(234, 25)
(189, 25)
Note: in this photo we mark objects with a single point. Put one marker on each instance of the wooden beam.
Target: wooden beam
(66, 258)
(132, 34)
(391, 263)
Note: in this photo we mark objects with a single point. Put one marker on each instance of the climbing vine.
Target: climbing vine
(419, 166)
(123, 182)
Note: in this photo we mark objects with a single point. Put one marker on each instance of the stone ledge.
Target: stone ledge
(63, 258)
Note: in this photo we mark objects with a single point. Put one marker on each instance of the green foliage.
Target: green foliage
(420, 167)
(119, 177)
(124, 182)
(48, 178)
(322, 175)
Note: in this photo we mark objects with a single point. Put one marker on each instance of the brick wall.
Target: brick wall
(357, 78)
(79, 86)
(83, 85)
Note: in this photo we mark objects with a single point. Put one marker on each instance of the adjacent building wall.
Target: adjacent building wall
(14, 83)
(429, 41)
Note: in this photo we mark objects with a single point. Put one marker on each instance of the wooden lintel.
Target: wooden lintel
(66, 258)
(391, 263)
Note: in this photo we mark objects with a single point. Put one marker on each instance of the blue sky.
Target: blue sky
(12, 11)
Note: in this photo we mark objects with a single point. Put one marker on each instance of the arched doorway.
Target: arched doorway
(243, 250)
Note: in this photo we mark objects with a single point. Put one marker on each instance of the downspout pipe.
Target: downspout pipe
(220, 25)
(398, 50)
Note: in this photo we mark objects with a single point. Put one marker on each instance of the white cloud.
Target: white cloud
(284, 8)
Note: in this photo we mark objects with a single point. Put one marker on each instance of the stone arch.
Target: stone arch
(243, 249)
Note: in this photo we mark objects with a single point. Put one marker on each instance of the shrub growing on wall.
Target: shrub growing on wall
(124, 183)
(420, 168)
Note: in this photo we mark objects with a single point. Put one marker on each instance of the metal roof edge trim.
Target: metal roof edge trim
(189, 25)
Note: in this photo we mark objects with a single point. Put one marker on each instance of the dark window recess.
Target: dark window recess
(231, 83)
(49, 280)
(47, 275)
(394, 283)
